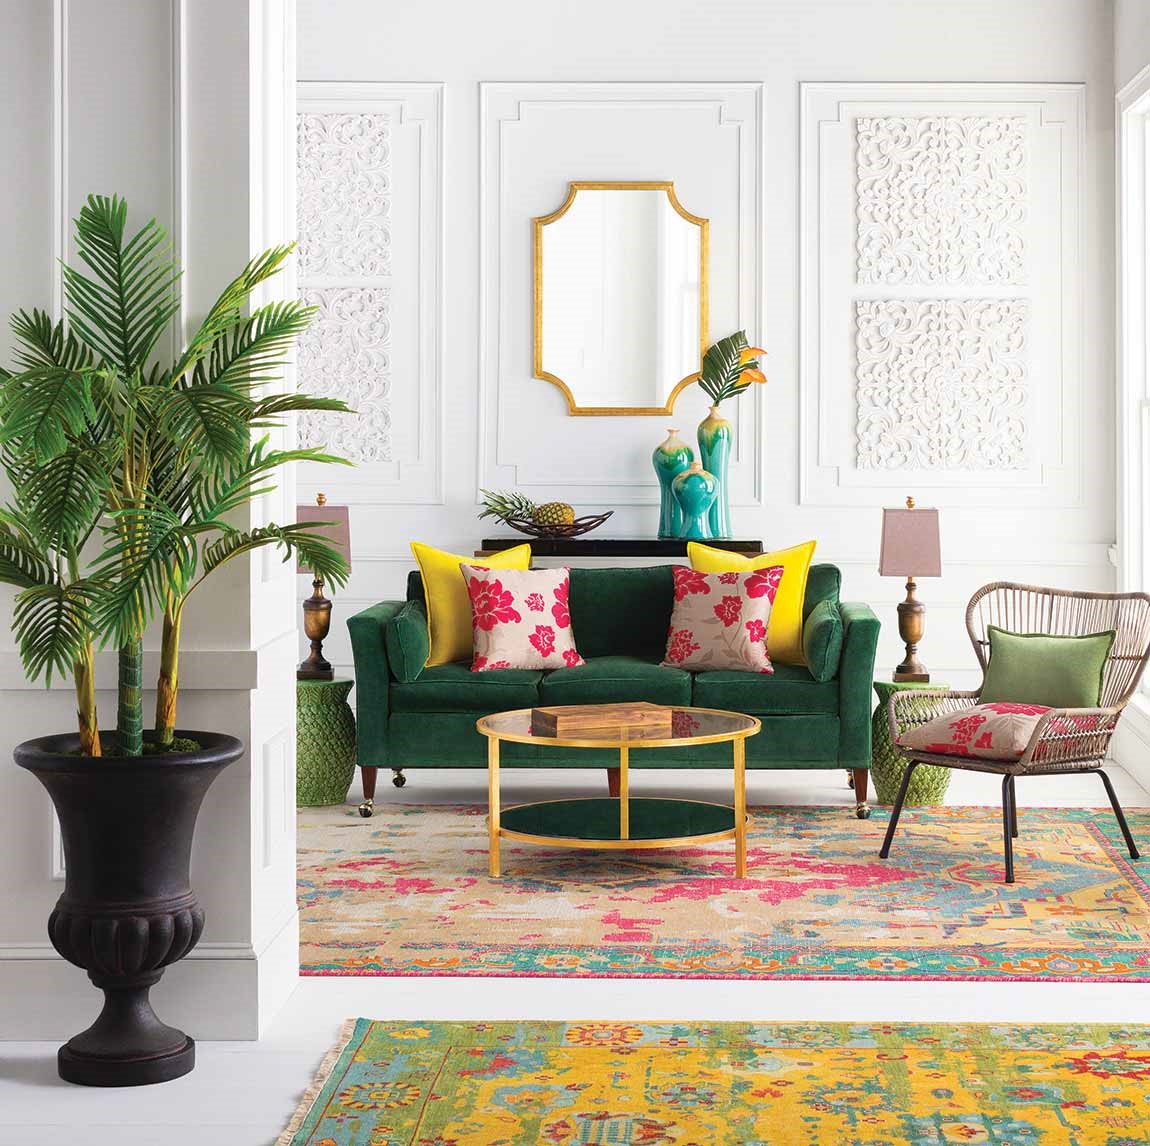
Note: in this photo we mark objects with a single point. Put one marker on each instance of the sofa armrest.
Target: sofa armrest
(372, 681)
(856, 678)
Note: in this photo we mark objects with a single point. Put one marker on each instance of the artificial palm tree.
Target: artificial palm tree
(107, 440)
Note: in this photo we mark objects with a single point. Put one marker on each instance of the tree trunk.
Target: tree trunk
(84, 674)
(167, 687)
(130, 709)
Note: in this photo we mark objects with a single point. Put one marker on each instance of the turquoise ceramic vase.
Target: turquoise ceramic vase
(695, 490)
(715, 437)
(670, 459)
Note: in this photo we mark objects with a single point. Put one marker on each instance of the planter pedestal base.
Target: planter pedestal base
(88, 1070)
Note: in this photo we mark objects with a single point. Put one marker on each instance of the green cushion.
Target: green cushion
(1034, 668)
(823, 640)
(823, 584)
(790, 689)
(622, 612)
(607, 679)
(455, 688)
(405, 637)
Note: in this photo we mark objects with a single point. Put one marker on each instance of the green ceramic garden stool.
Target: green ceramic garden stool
(929, 783)
(325, 742)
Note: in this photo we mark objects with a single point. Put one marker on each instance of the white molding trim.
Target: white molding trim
(59, 152)
(1132, 395)
(1056, 113)
(736, 105)
(420, 480)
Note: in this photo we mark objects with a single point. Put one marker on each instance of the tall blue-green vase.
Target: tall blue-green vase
(695, 490)
(670, 459)
(715, 437)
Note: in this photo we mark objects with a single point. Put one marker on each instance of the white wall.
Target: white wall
(1131, 39)
(714, 104)
(179, 106)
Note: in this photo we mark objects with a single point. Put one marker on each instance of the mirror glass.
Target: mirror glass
(620, 297)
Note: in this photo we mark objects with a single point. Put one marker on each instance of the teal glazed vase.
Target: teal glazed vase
(670, 459)
(715, 437)
(695, 490)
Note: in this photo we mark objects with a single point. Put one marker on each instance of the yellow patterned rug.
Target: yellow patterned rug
(728, 1084)
(408, 893)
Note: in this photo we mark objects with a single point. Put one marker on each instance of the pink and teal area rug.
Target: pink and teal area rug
(727, 1084)
(407, 893)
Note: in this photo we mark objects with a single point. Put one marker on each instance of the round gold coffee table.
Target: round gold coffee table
(622, 822)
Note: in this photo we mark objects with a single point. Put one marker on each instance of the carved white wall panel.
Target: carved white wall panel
(941, 384)
(941, 199)
(941, 306)
(370, 223)
(346, 353)
(534, 139)
(344, 193)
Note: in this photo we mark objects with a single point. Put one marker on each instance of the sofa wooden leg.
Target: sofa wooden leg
(613, 783)
(862, 808)
(368, 775)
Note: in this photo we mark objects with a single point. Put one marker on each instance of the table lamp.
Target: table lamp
(910, 549)
(317, 608)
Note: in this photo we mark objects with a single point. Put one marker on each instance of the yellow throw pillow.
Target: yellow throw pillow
(448, 605)
(785, 629)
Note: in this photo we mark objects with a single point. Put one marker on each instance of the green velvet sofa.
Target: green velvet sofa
(410, 716)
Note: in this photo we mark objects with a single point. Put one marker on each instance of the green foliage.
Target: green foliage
(108, 446)
(724, 368)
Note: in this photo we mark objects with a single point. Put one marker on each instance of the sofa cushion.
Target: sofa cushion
(790, 690)
(823, 584)
(455, 688)
(405, 638)
(622, 612)
(823, 640)
(605, 679)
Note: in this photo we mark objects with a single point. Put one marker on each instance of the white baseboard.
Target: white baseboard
(222, 991)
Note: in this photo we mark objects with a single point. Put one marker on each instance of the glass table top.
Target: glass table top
(688, 726)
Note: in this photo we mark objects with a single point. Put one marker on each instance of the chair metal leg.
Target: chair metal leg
(1007, 825)
(896, 811)
(1013, 808)
(1119, 816)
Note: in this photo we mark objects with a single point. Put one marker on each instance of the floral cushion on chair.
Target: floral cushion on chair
(1000, 730)
(520, 618)
(719, 620)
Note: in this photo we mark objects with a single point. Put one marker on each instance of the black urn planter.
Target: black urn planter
(128, 909)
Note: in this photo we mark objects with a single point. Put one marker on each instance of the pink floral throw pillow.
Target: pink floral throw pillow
(1000, 730)
(520, 618)
(719, 620)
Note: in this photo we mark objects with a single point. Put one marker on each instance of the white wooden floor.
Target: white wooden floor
(241, 1094)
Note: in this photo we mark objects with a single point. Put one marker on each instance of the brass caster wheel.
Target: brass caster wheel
(366, 809)
(399, 779)
(862, 811)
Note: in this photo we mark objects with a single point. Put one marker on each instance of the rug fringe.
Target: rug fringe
(319, 1081)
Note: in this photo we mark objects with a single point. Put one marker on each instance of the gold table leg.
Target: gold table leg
(493, 804)
(624, 793)
(740, 748)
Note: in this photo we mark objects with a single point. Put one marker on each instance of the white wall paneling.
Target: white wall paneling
(370, 219)
(942, 299)
(534, 139)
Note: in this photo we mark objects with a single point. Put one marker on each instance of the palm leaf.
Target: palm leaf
(52, 628)
(22, 562)
(722, 367)
(42, 407)
(253, 350)
(65, 496)
(300, 540)
(40, 343)
(125, 305)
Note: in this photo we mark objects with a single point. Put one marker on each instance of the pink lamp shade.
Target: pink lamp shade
(337, 534)
(910, 546)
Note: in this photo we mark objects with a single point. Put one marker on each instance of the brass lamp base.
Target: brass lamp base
(316, 625)
(911, 623)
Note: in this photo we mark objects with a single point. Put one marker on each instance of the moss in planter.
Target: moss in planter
(179, 744)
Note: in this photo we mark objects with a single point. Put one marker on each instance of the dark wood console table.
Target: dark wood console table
(610, 546)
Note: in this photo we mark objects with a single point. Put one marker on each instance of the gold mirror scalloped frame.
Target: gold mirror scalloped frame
(541, 221)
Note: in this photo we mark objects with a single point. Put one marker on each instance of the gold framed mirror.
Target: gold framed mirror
(620, 297)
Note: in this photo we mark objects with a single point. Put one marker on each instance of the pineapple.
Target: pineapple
(503, 506)
(553, 513)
